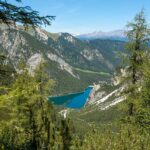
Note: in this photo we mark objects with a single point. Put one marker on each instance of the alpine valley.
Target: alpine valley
(74, 75)
(73, 63)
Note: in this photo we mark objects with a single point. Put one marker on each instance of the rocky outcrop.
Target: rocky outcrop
(63, 65)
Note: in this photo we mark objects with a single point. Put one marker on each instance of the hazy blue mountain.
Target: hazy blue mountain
(113, 35)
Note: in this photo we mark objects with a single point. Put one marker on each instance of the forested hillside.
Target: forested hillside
(36, 64)
(78, 63)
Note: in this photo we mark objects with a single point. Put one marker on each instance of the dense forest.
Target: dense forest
(29, 122)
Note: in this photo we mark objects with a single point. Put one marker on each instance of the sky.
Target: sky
(85, 16)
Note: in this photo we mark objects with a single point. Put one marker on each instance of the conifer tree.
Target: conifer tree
(12, 14)
(142, 116)
(66, 132)
(30, 114)
(138, 36)
(6, 71)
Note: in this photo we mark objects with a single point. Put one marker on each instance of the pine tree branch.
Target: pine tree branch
(26, 16)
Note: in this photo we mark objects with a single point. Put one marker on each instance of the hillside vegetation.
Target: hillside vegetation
(35, 64)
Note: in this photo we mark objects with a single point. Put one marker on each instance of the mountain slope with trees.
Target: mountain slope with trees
(28, 75)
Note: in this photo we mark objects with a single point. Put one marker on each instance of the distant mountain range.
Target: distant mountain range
(113, 35)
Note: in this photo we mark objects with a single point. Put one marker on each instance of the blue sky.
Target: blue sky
(84, 16)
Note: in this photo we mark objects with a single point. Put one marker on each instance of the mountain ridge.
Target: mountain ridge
(112, 35)
(70, 60)
(74, 64)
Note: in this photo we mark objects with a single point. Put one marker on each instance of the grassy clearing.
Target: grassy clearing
(93, 72)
